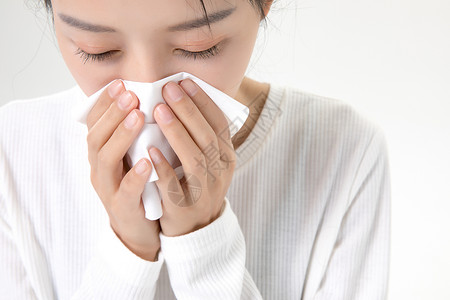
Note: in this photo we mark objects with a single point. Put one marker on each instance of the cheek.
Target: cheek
(232, 65)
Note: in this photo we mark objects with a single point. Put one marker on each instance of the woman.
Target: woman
(299, 206)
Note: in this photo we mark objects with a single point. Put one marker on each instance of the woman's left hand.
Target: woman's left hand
(199, 135)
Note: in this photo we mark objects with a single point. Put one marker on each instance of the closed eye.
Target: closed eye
(94, 57)
(214, 50)
(208, 53)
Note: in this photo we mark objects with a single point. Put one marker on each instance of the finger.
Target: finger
(189, 154)
(131, 188)
(213, 115)
(108, 122)
(190, 117)
(220, 159)
(113, 152)
(105, 99)
(173, 194)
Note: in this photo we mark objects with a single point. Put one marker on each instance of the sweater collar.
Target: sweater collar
(270, 111)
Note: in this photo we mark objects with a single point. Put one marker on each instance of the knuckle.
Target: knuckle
(114, 114)
(226, 130)
(199, 162)
(124, 191)
(104, 158)
(114, 205)
(190, 110)
(91, 140)
(105, 99)
(202, 103)
(228, 156)
(232, 163)
(126, 182)
(229, 160)
(123, 196)
(90, 121)
(93, 178)
(96, 184)
(127, 186)
(90, 159)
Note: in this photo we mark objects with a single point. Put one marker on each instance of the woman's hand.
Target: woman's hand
(200, 137)
(110, 135)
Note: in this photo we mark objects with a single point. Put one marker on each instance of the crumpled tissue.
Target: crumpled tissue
(150, 95)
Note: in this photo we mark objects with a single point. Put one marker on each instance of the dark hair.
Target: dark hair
(257, 4)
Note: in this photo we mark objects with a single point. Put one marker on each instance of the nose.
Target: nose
(145, 65)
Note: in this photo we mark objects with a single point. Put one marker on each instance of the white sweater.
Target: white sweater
(307, 214)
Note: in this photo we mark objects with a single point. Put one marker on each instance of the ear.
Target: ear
(267, 5)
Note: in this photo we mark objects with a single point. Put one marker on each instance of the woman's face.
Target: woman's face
(141, 46)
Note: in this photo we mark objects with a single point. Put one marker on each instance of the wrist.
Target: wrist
(149, 255)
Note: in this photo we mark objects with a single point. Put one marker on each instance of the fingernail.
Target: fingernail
(131, 119)
(164, 113)
(190, 87)
(124, 100)
(155, 156)
(173, 91)
(115, 88)
(141, 166)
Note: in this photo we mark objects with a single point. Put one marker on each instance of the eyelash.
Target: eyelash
(208, 53)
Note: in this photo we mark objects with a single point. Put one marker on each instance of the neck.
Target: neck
(252, 94)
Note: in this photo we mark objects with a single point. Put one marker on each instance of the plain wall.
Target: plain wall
(388, 59)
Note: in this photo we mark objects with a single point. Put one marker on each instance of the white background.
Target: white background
(390, 59)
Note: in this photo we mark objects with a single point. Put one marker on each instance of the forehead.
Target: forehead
(139, 14)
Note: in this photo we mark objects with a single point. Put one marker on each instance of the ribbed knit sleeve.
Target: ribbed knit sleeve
(116, 273)
(113, 272)
(358, 267)
(306, 216)
(209, 263)
(14, 282)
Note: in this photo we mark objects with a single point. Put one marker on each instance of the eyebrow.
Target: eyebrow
(212, 18)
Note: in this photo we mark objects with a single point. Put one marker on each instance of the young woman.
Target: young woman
(295, 206)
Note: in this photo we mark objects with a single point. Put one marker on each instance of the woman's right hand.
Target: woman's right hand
(110, 135)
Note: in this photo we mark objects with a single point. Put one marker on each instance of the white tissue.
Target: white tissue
(150, 95)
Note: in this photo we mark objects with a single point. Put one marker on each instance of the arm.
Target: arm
(358, 264)
(14, 282)
(209, 263)
(114, 272)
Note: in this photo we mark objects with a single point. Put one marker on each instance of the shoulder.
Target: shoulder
(40, 105)
(37, 122)
(327, 132)
(328, 119)
(24, 113)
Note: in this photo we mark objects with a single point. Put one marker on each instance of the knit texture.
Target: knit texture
(307, 214)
